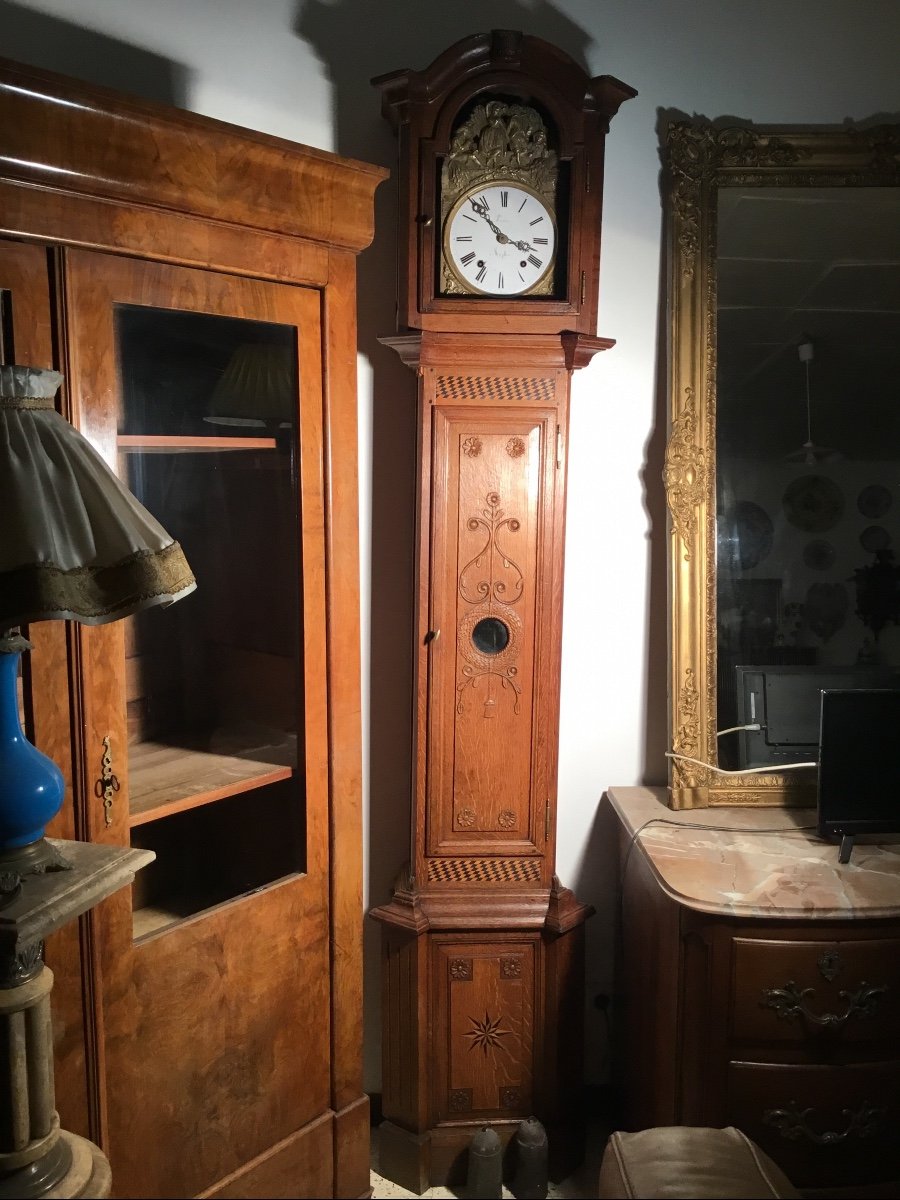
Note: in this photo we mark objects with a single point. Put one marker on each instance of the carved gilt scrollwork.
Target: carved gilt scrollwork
(685, 474)
(701, 158)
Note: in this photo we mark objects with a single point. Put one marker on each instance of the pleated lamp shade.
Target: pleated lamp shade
(256, 388)
(76, 544)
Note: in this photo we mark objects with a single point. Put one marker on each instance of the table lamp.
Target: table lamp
(75, 544)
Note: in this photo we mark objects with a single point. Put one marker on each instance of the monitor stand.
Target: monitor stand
(846, 848)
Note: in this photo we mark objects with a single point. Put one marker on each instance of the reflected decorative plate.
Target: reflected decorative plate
(827, 605)
(744, 535)
(813, 503)
(874, 500)
(819, 555)
(874, 538)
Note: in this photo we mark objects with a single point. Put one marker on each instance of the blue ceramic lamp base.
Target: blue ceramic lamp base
(31, 784)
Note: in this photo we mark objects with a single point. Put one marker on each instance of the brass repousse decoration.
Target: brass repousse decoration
(700, 158)
(497, 141)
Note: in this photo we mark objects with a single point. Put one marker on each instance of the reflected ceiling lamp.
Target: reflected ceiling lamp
(809, 453)
(76, 545)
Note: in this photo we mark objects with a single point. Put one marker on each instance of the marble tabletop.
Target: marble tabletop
(759, 862)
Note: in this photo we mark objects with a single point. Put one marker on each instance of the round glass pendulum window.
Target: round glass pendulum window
(490, 635)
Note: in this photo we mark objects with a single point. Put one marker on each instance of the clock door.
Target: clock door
(204, 725)
(492, 516)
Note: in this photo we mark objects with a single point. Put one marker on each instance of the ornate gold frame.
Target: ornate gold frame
(699, 158)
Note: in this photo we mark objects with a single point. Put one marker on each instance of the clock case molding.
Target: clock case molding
(482, 947)
(424, 107)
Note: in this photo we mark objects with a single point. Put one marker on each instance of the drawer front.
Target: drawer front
(822, 992)
(824, 1126)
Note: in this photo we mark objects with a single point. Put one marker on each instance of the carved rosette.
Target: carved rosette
(685, 474)
(510, 968)
(510, 1097)
(465, 818)
(507, 819)
(471, 446)
(516, 447)
(460, 1100)
(460, 969)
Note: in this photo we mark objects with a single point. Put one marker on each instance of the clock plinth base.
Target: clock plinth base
(481, 1026)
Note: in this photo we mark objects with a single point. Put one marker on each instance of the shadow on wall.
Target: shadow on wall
(54, 45)
(356, 40)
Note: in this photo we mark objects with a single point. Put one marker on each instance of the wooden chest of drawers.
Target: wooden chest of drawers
(785, 1025)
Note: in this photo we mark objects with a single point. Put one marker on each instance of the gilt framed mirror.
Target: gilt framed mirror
(782, 467)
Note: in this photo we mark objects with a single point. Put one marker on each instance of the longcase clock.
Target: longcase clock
(501, 171)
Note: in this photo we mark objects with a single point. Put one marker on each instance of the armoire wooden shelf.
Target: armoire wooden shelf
(151, 443)
(208, 1020)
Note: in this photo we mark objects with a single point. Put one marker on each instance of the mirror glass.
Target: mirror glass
(782, 462)
(807, 459)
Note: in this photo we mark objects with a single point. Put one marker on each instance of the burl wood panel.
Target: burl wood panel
(240, 1050)
(178, 160)
(300, 1166)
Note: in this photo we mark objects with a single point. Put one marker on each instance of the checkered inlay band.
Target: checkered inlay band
(486, 387)
(484, 870)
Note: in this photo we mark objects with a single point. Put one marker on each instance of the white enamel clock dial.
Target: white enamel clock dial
(500, 240)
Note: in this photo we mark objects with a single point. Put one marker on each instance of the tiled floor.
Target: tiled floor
(583, 1183)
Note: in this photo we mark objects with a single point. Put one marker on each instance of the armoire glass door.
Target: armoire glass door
(199, 405)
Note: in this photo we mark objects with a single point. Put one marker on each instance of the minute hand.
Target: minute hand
(483, 212)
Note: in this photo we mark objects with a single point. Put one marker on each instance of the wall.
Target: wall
(300, 69)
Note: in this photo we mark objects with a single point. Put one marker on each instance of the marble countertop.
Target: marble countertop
(741, 867)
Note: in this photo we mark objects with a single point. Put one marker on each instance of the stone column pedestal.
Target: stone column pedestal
(37, 1158)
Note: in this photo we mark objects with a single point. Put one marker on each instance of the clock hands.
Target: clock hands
(482, 211)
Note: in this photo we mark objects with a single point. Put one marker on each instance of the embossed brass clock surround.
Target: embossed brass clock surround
(700, 158)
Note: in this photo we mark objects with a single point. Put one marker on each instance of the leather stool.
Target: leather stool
(681, 1162)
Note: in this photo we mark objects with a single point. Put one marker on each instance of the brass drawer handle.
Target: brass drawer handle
(108, 784)
(789, 1002)
(791, 1122)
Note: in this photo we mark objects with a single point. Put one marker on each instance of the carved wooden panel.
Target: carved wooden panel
(483, 1047)
(492, 512)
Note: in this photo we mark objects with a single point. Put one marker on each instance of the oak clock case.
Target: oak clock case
(501, 141)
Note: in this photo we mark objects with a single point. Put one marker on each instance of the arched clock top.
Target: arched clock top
(512, 129)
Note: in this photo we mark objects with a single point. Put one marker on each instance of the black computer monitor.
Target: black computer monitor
(859, 763)
(784, 703)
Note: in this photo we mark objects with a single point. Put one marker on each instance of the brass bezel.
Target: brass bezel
(466, 284)
(700, 157)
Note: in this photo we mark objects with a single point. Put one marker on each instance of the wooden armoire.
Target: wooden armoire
(195, 283)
